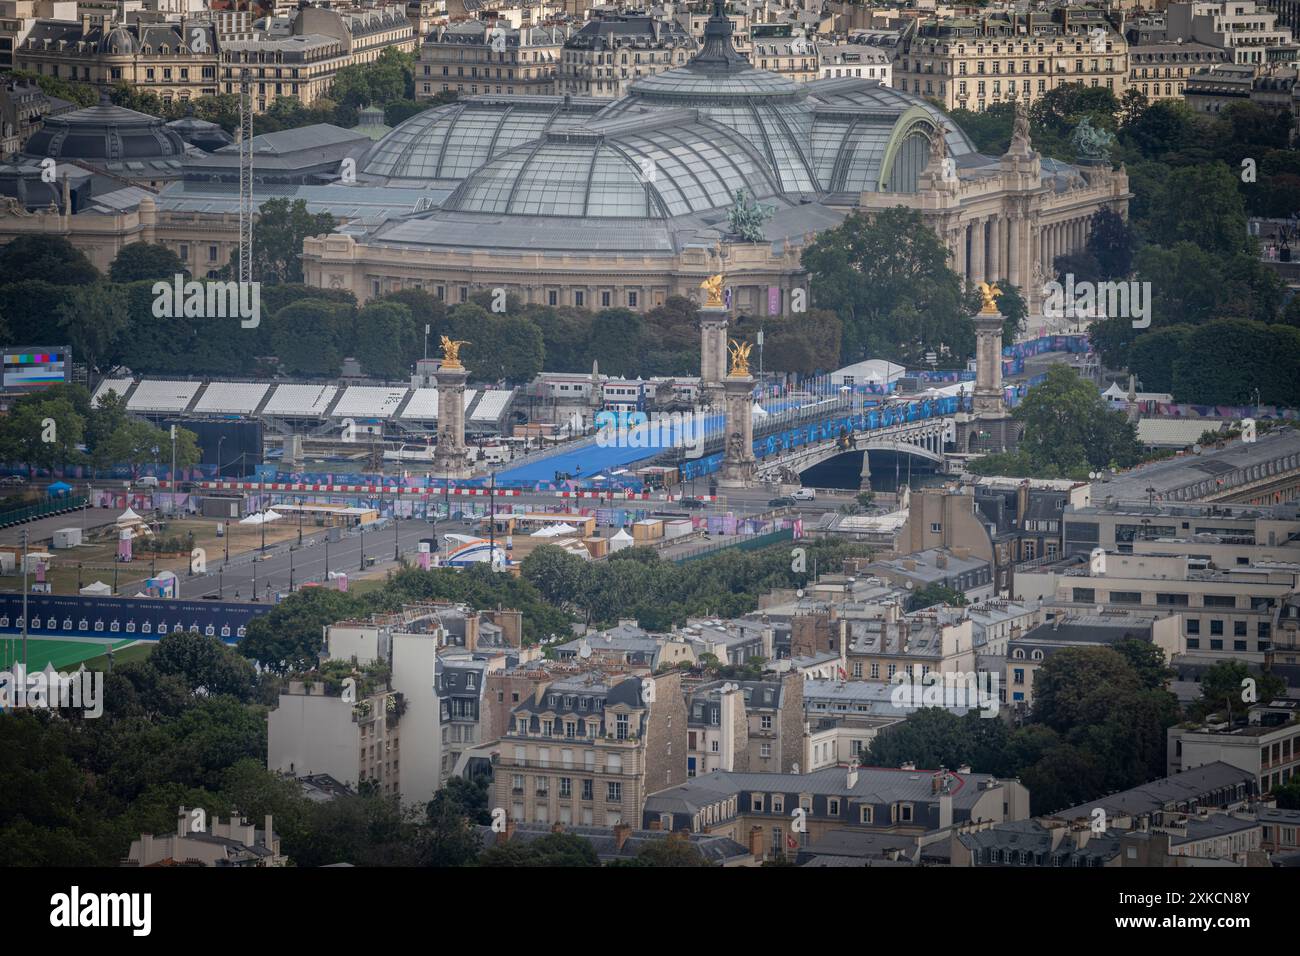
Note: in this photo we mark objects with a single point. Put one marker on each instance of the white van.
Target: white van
(148, 481)
(804, 494)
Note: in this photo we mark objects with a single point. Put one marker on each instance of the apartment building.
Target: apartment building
(316, 729)
(1222, 535)
(717, 736)
(474, 56)
(795, 57)
(1265, 744)
(176, 60)
(977, 62)
(759, 807)
(1224, 613)
(1159, 71)
(17, 17)
(202, 842)
(303, 62)
(584, 751)
(460, 682)
(23, 108)
(1246, 30)
(610, 52)
(939, 639)
(856, 60)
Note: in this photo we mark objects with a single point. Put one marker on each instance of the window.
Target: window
(765, 751)
(587, 790)
(765, 722)
(566, 786)
(1194, 626)
(1216, 627)
(833, 806)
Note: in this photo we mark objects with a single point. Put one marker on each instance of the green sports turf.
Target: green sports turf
(41, 651)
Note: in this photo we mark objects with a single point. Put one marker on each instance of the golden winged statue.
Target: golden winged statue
(739, 352)
(451, 352)
(713, 286)
(989, 293)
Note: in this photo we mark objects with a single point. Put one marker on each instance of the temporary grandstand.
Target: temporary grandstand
(399, 412)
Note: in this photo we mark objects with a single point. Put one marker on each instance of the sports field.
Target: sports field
(64, 655)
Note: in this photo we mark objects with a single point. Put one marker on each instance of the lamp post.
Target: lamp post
(219, 441)
(171, 503)
(363, 547)
(261, 494)
(397, 541)
(24, 599)
(291, 550)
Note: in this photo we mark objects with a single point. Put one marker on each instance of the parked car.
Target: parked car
(804, 494)
(783, 502)
(691, 503)
(147, 481)
(13, 480)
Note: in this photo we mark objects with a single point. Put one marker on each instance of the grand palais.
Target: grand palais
(573, 201)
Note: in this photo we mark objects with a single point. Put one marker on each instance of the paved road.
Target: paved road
(44, 528)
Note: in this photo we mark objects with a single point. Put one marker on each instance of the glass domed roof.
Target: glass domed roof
(452, 141)
(673, 166)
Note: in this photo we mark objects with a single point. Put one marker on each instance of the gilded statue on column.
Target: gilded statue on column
(989, 293)
(739, 352)
(451, 352)
(713, 287)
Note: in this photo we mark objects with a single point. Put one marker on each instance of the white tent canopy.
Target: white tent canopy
(97, 588)
(129, 517)
(554, 530)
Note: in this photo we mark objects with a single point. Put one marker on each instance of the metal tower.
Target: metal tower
(245, 180)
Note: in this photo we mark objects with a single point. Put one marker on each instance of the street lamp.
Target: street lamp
(219, 441)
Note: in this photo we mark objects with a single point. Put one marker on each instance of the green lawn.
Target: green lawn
(64, 655)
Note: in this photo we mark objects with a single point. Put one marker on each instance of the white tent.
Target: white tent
(128, 517)
(554, 530)
(96, 589)
(620, 540)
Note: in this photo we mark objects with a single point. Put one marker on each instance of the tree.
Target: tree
(616, 341)
(205, 664)
(92, 320)
(282, 226)
(289, 636)
(306, 336)
(554, 849)
(1153, 355)
(887, 278)
(674, 850)
(930, 737)
(933, 594)
(383, 333)
(137, 443)
(1200, 204)
(1071, 687)
(146, 260)
(501, 346)
(45, 257)
(1111, 244)
(42, 434)
(1069, 428)
(1224, 688)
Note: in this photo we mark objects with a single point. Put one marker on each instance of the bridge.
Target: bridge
(922, 439)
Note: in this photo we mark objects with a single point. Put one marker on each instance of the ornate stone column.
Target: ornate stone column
(738, 456)
(995, 249)
(713, 341)
(450, 456)
(977, 251)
